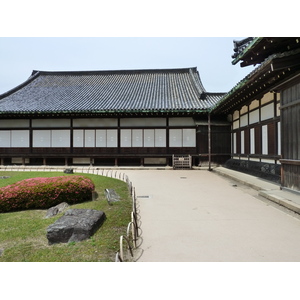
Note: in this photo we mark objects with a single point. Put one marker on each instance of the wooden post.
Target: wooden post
(209, 143)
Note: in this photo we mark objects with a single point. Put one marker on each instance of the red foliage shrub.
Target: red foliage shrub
(42, 193)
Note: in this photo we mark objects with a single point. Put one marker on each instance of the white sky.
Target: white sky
(131, 34)
(211, 56)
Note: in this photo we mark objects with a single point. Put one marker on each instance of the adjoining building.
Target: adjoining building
(131, 117)
(264, 109)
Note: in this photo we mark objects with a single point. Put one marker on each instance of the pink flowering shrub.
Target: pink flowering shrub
(42, 193)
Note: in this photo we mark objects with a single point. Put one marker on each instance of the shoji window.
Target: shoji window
(143, 138)
(252, 141)
(51, 138)
(189, 138)
(95, 138)
(126, 138)
(60, 138)
(41, 138)
(264, 139)
(5, 138)
(242, 142)
(182, 138)
(278, 139)
(234, 142)
(149, 138)
(160, 138)
(175, 138)
(137, 138)
(89, 138)
(112, 138)
(20, 138)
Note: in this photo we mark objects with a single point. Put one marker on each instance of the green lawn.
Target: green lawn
(23, 233)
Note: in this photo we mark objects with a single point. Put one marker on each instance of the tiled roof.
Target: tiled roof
(109, 91)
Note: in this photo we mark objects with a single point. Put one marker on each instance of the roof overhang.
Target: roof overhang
(277, 69)
(262, 47)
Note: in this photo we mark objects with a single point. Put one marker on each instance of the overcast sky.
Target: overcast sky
(211, 55)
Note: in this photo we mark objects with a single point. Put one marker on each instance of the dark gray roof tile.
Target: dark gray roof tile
(94, 91)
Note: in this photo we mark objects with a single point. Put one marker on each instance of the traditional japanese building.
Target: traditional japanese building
(264, 109)
(131, 117)
(145, 117)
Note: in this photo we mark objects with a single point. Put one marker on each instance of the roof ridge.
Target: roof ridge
(125, 71)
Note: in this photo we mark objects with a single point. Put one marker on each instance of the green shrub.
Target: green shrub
(42, 193)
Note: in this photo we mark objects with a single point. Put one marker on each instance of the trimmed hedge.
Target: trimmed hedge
(45, 192)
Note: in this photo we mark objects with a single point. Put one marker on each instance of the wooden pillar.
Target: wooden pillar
(209, 143)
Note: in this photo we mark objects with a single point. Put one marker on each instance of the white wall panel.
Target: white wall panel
(252, 141)
(236, 124)
(137, 138)
(5, 138)
(254, 116)
(143, 122)
(20, 138)
(89, 138)
(14, 123)
(181, 122)
(125, 137)
(149, 138)
(41, 138)
(101, 138)
(60, 138)
(244, 120)
(175, 136)
(78, 138)
(112, 138)
(264, 139)
(97, 122)
(189, 138)
(160, 138)
(279, 138)
(234, 143)
(242, 142)
(51, 123)
(267, 112)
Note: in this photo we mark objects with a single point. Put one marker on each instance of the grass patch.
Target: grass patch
(23, 233)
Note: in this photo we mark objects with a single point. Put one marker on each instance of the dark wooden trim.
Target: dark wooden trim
(290, 162)
(296, 102)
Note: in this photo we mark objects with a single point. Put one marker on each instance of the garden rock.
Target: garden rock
(53, 211)
(68, 171)
(75, 225)
(111, 196)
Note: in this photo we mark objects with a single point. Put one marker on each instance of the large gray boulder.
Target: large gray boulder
(75, 225)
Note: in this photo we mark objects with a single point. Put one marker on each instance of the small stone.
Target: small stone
(53, 211)
(111, 196)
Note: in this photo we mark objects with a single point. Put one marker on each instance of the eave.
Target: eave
(261, 48)
(109, 114)
(276, 69)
